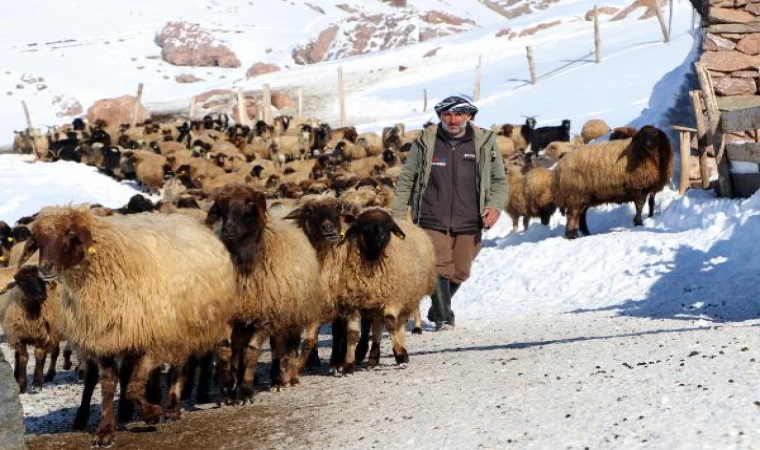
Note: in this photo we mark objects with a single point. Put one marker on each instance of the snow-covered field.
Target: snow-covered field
(630, 338)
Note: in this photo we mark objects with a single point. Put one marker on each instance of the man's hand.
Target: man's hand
(490, 216)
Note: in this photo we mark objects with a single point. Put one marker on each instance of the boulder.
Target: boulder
(117, 110)
(186, 44)
(735, 86)
(281, 100)
(260, 68)
(11, 413)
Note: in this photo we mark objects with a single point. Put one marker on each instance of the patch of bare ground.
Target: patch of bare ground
(541, 26)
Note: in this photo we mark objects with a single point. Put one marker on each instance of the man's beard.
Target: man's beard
(456, 130)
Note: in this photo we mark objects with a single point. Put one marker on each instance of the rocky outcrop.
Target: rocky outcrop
(117, 110)
(11, 412)
(260, 68)
(186, 44)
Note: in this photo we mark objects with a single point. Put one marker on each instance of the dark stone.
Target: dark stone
(11, 412)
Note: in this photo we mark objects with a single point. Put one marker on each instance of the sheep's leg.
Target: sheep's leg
(308, 345)
(363, 345)
(90, 380)
(108, 378)
(394, 323)
(571, 226)
(377, 334)
(352, 336)
(651, 204)
(251, 359)
(224, 372)
(55, 350)
(176, 379)
(515, 221)
(40, 354)
(67, 351)
(290, 360)
(136, 388)
(338, 353)
(584, 224)
(639, 199)
(189, 369)
(126, 408)
(206, 363)
(526, 222)
(417, 320)
(22, 360)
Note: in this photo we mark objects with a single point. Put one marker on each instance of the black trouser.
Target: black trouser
(440, 310)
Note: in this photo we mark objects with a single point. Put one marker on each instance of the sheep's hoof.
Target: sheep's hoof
(348, 368)
(173, 415)
(80, 421)
(335, 371)
(151, 414)
(67, 365)
(22, 388)
(202, 397)
(246, 395)
(402, 357)
(104, 438)
(49, 378)
(417, 330)
(35, 389)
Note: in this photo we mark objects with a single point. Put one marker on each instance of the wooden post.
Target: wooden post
(136, 108)
(714, 134)
(478, 73)
(703, 144)
(341, 97)
(242, 110)
(670, 17)
(424, 100)
(191, 110)
(29, 129)
(531, 65)
(300, 102)
(267, 104)
(665, 35)
(597, 38)
(685, 146)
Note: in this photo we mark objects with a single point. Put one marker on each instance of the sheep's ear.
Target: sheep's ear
(29, 249)
(213, 215)
(294, 215)
(395, 229)
(85, 238)
(351, 231)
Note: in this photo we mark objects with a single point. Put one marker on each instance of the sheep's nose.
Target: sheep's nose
(46, 271)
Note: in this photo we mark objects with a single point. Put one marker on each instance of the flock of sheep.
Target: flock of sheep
(261, 234)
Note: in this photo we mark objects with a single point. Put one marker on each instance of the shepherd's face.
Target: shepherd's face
(454, 123)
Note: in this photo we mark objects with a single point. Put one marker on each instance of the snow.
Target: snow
(630, 338)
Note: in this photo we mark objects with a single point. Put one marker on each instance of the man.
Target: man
(454, 181)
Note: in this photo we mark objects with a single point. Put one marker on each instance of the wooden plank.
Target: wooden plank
(597, 37)
(531, 65)
(683, 184)
(736, 28)
(136, 108)
(743, 151)
(680, 128)
(29, 129)
(713, 133)
(745, 184)
(663, 28)
(341, 97)
(703, 144)
(740, 119)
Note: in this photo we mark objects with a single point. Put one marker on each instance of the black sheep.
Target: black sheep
(543, 136)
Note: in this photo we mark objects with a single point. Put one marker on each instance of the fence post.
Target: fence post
(597, 38)
(531, 65)
(242, 110)
(703, 143)
(665, 35)
(29, 129)
(424, 100)
(300, 102)
(714, 134)
(267, 104)
(191, 109)
(341, 97)
(478, 74)
(133, 121)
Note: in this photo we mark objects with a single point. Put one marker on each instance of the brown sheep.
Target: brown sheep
(32, 318)
(537, 183)
(278, 286)
(516, 206)
(612, 172)
(620, 133)
(594, 129)
(149, 288)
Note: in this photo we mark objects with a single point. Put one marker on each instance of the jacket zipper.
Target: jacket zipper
(453, 173)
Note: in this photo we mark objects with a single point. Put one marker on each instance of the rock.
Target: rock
(11, 413)
(316, 50)
(281, 100)
(186, 44)
(725, 15)
(70, 109)
(750, 44)
(187, 78)
(753, 8)
(430, 53)
(713, 42)
(261, 68)
(745, 74)
(729, 61)
(503, 32)
(602, 10)
(117, 110)
(396, 3)
(250, 107)
(735, 86)
(436, 17)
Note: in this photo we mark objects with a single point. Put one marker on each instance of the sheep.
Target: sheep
(619, 133)
(557, 150)
(516, 206)
(537, 183)
(347, 151)
(612, 172)
(377, 281)
(150, 288)
(278, 288)
(594, 129)
(6, 243)
(543, 136)
(147, 167)
(32, 318)
(506, 146)
(372, 143)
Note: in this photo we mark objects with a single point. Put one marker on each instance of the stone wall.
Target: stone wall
(732, 46)
(11, 413)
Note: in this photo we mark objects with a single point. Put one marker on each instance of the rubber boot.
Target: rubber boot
(443, 301)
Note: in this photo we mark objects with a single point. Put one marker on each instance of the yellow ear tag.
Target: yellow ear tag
(91, 250)
(10, 239)
(2, 258)
(342, 234)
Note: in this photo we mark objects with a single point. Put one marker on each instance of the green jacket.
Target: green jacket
(414, 177)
